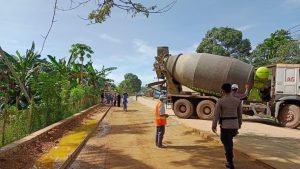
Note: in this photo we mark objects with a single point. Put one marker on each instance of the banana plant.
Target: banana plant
(61, 65)
(23, 70)
(98, 78)
(29, 65)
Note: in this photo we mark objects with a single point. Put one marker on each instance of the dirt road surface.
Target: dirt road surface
(125, 140)
(276, 146)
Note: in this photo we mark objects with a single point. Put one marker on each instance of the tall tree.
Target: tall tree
(81, 51)
(278, 48)
(131, 84)
(225, 41)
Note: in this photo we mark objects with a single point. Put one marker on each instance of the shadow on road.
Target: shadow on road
(106, 158)
(278, 151)
(270, 122)
(263, 121)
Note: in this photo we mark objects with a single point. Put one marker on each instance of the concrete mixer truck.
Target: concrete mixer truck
(276, 88)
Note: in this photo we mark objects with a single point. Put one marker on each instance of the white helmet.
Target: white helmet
(234, 86)
(162, 97)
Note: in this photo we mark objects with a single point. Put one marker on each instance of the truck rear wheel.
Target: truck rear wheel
(183, 108)
(206, 109)
(289, 116)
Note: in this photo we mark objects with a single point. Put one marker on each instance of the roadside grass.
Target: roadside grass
(17, 125)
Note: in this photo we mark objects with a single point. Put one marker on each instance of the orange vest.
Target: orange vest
(160, 120)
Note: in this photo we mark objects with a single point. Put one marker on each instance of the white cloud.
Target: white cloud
(109, 38)
(143, 48)
(14, 41)
(190, 49)
(245, 27)
(147, 77)
(137, 60)
(292, 3)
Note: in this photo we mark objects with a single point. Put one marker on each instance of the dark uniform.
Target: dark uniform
(119, 100)
(229, 115)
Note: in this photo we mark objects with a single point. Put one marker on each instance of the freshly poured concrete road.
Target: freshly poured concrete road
(276, 146)
(125, 140)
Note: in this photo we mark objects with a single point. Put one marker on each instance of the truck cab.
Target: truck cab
(282, 97)
(286, 94)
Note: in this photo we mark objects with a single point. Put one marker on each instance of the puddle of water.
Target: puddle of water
(65, 147)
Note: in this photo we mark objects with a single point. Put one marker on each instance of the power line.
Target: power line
(293, 27)
(294, 31)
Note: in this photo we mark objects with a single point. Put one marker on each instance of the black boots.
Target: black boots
(229, 165)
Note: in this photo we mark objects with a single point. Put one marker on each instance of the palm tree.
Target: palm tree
(81, 51)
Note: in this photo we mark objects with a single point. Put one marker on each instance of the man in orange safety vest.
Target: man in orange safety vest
(161, 121)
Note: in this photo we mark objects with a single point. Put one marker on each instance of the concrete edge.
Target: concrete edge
(14, 146)
(74, 155)
(214, 137)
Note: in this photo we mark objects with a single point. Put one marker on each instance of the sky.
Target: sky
(130, 43)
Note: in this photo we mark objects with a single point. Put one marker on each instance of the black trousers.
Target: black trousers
(160, 131)
(226, 138)
(119, 103)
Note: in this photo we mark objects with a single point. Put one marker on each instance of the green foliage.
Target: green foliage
(99, 15)
(50, 88)
(26, 68)
(226, 42)
(15, 125)
(77, 93)
(80, 50)
(104, 8)
(278, 48)
(53, 88)
(59, 66)
(131, 84)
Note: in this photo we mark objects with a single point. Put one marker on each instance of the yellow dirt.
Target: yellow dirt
(129, 144)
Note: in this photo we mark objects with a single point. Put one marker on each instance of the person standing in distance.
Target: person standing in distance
(161, 121)
(119, 100)
(125, 96)
(229, 115)
(235, 93)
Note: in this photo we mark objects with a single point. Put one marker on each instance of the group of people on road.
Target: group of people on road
(228, 113)
(114, 99)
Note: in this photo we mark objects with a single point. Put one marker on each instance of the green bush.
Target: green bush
(14, 124)
(57, 101)
(77, 93)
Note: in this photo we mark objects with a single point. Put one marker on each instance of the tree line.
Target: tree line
(279, 47)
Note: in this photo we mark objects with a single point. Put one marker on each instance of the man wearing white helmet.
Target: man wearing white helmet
(161, 121)
(235, 87)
